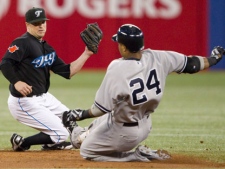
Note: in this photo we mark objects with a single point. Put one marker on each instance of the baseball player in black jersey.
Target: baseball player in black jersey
(27, 65)
(129, 93)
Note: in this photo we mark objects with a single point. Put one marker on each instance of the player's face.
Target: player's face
(121, 49)
(37, 29)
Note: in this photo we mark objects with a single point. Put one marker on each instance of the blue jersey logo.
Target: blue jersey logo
(42, 61)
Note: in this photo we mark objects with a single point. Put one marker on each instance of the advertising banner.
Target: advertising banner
(178, 25)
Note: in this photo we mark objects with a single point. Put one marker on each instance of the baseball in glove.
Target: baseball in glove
(92, 36)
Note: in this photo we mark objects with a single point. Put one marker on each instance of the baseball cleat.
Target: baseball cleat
(68, 121)
(60, 146)
(16, 141)
(153, 154)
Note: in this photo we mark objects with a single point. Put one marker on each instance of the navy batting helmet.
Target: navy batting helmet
(131, 36)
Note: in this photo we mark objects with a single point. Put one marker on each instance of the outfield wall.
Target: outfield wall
(179, 25)
(217, 27)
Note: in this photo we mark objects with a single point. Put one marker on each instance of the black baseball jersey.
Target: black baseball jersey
(31, 61)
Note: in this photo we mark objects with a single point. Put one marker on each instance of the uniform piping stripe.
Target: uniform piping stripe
(37, 120)
(102, 108)
(185, 63)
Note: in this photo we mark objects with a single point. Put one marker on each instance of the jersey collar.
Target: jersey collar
(132, 59)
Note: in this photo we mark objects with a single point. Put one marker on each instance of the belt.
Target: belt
(35, 95)
(130, 124)
(14, 95)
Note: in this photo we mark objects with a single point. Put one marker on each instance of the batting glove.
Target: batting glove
(76, 114)
(217, 53)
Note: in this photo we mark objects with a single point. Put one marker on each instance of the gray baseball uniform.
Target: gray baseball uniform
(130, 91)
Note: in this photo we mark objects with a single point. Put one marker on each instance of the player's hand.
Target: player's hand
(217, 53)
(23, 88)
(76, 114)
(92, 36)
(87, 51)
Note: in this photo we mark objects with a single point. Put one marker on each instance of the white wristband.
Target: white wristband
(202, 62)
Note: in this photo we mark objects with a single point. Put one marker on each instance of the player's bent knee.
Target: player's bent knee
(78, 135)
(59, 136)
(65, 134)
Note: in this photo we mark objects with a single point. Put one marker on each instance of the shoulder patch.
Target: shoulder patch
(13, 48)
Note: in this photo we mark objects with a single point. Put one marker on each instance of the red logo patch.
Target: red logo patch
(13, 48)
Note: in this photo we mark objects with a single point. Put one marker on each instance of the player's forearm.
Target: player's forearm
(216, 55)
(76, 65)
(85, 114)
(92, 112)
(197, 63)
(8, 72)
(206, 62)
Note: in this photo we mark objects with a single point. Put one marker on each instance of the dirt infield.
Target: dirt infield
(72, 159)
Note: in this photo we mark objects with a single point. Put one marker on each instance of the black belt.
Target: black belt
(130, 124)
(15, 95)
(35, 95)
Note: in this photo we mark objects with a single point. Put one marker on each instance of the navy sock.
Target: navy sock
(38, 139)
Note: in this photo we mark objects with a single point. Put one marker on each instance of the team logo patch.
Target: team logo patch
(43, 61)
(38, 13)
(13, 48)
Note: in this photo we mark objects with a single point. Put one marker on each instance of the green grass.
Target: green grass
(190, 119)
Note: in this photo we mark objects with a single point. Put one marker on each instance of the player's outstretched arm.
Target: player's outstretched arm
(76, 65)
(198, 63)
(91, 36)
(216, 55)
(79, 114)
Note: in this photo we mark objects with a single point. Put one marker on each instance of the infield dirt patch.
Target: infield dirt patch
(72, 159)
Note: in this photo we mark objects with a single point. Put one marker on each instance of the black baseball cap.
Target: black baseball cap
(35, 15)
(131, 36)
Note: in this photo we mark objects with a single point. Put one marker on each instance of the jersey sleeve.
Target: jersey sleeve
(61, 68)
(171, 61)
(103, 97)
(8, 71)
(17, 51)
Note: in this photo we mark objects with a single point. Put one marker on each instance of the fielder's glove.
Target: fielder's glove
(92, 36)
(217, 53)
